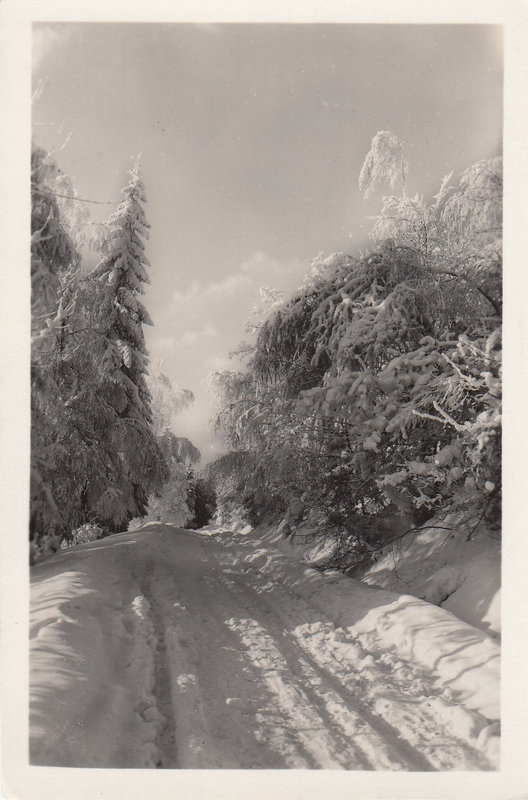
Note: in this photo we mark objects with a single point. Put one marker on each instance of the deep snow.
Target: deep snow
(457, 569)
(170, 648)
(445, 563)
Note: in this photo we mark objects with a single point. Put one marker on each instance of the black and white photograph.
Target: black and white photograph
(264, 459)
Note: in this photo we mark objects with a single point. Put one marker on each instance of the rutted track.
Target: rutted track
(217, 666)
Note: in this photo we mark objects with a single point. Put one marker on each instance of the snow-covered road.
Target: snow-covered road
(169, 648)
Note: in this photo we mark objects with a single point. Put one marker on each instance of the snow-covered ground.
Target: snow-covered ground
(449, 568)
(445, 563)
(171, 648)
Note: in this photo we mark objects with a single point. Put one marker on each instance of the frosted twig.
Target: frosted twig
(455, 367)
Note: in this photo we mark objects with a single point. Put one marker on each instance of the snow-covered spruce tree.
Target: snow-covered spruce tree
(54, 274)
(138, 467)
(67, 451)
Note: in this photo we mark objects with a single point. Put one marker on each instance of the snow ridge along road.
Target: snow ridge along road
(167, 648)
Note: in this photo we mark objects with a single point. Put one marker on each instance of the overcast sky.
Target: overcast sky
(251, 138)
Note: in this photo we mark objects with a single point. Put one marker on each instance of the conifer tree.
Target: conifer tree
(119, 316)
(54, 265)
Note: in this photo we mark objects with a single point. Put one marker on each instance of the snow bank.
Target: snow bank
(464, 660)
(86, 627)
(444, 568)
(437, 565)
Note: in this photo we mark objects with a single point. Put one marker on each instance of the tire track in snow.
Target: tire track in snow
(220, 689)
(380, 745)
(186, 744)
(217, 697)
(186, 663)
(155, 706)
(415, 713)
(313, 723)
(205, 731)
(423, 741)
(324, 709)
(208, 666)
(287, 720)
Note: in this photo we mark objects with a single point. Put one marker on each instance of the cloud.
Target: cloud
(208, 317)
(255, 262)
(256, 271)
(198, 294)
(207, 331)
(206, 320)
(270, 271)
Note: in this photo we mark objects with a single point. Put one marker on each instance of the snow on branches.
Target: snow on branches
(94, 455)
(376, 388)
(384, 163)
